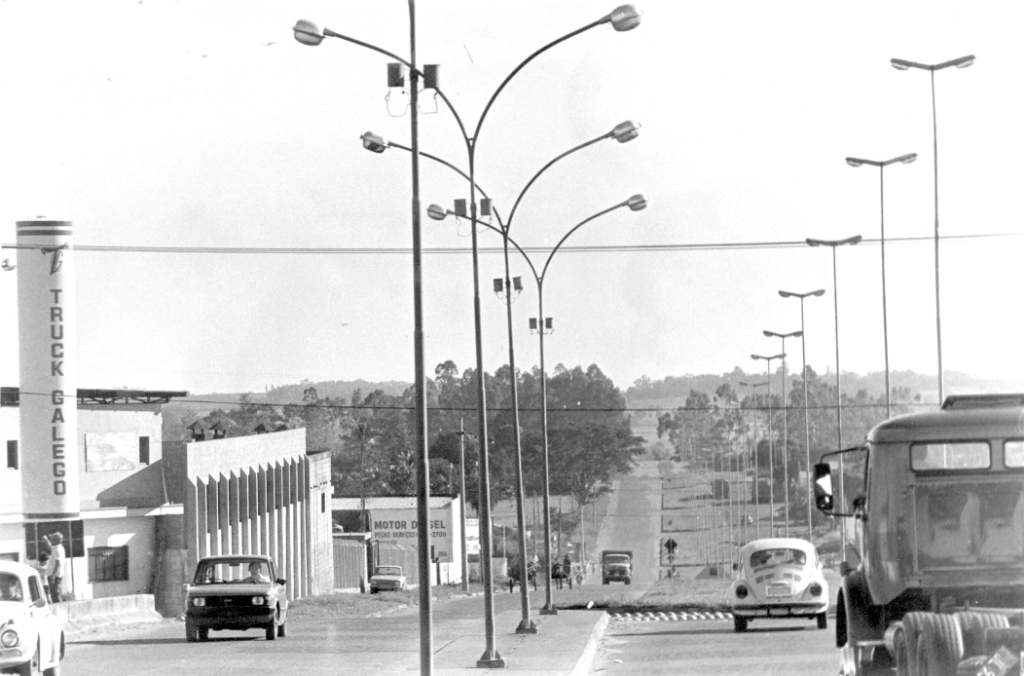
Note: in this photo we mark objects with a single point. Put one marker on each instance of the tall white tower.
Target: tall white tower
(48, 368)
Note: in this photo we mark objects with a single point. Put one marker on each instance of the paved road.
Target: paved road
(705, 648)
(377, 645)
(697, 648)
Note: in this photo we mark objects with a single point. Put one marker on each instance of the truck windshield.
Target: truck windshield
(977, 523)
(616, 559)
(1013, 452)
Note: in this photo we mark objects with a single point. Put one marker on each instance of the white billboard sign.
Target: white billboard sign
(400, 526)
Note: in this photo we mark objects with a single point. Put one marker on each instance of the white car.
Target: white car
(31, 635)
(387, 578)
(779, 578)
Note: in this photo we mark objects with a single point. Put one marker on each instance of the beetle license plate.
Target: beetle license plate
(778, 590)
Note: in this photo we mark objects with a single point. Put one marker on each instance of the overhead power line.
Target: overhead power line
(611, 248)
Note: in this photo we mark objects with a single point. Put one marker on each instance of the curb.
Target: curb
(586, 659)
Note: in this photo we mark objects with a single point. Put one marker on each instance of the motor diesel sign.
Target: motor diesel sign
(401, 527)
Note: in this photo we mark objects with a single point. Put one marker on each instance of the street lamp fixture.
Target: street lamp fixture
(836, 243)
(636, 203)
(961, 62)
(807, 422)
(374, 142)
(857, 162)
(625, 131)
(903, 64)
(785, 420)
(624, 18)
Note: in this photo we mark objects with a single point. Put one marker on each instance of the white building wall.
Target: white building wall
(138, 534)
(10, 479)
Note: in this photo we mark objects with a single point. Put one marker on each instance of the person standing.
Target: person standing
(56, 565)
(42, 565)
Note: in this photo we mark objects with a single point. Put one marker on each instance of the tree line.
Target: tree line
(721, 429)
(372, 441)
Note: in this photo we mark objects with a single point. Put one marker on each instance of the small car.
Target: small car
(778, 578)
(31, 635)
(235, 592)
(387, 578)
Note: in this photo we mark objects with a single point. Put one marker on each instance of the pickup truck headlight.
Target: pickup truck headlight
(259, 600)
(198, 601)
(9, 638)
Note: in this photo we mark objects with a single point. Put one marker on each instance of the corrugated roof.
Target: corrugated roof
(401, 502)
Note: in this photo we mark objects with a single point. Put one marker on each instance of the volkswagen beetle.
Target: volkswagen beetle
(31, 634)
(779, 578)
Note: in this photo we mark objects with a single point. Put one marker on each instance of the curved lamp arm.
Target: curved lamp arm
(622, 18)
(635, 203)
(622, 132)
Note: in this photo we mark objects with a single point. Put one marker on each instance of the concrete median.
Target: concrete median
(80, 615)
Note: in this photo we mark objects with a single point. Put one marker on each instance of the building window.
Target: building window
(108, 564)
(74, 538)
(143, 450)
(12, 454)
(323, 502)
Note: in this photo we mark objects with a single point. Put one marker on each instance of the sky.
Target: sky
(205, 124)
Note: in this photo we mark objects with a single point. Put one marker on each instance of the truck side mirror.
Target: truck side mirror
(823, 487)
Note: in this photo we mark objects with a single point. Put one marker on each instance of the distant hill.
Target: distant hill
(672, 391)
(666, 394)
(184, 411)
(292, 394)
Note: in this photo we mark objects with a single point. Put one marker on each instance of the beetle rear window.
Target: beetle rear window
(775, 557)
(1013, 453)
(958, 455)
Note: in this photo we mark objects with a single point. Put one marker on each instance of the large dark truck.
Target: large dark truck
(936, 502)
(616, 565)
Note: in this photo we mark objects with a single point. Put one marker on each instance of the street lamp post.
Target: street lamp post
(757, 496)
(462, 505)
(635, 203)
(622, 18)
(307, 33)
(623, 132)
(785, 419)
(807, 422)
(902, 64)
(771, 442)
(834, 244)
(857, 162)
